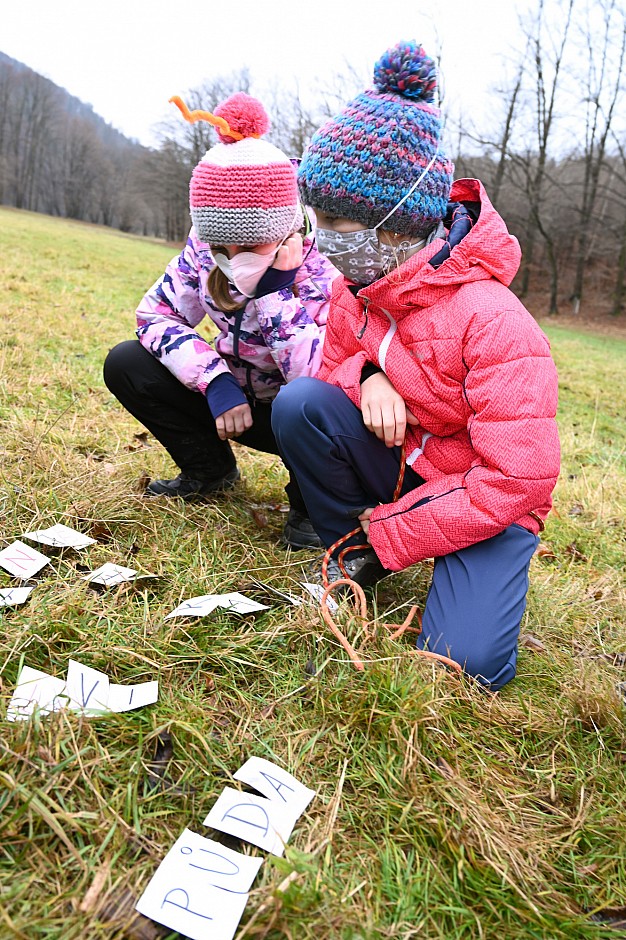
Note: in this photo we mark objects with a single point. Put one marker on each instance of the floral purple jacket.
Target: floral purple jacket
(269, 342)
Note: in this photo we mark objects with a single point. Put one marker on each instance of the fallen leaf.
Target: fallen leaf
(142, 482)
(544, 551)
(572, 550)
(158, 778)
(100, 531)
(95, 889)
(445, 768)
(275, 507)
(209, 683)
(260, 518)
(140, 442)
(532, 643)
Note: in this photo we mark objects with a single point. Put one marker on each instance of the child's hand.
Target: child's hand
(384, 411)
(289, 255)
(234, 422)
(364, 519)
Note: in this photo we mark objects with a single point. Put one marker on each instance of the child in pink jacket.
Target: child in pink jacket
(427, 353)
(251, 265)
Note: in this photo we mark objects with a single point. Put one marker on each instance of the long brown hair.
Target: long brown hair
(219, 289)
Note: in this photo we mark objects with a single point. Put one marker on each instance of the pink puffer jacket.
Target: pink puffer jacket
(475, 369)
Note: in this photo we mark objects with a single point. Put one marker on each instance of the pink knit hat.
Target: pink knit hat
(244, 191)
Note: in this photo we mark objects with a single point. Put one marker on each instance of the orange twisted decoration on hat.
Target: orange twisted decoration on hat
(197, 115)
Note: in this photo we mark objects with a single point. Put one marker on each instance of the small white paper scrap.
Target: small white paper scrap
(316, 591)
(276, 784)
(123, 698)
(35, 689)
(11, 597)
(207, 603)
(22, 560)
(111, 574)
(200, 888)
(60, 536)
(253, 818)
(87, 688)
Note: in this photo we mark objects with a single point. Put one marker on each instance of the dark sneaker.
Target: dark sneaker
(299, 533)
(185, 487)
(365, 569)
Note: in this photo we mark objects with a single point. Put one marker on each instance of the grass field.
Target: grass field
(441, 812)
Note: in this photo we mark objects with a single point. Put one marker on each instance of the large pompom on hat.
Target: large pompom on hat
(361, 164)
(244, 191)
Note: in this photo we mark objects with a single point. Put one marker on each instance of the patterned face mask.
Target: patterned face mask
(359, 256)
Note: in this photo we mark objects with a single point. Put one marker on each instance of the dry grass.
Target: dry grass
(441, 812)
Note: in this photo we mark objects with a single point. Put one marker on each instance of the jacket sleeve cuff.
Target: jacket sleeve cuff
(224, 393)
(368, 370)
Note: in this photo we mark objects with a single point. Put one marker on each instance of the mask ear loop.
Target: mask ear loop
(410, 191)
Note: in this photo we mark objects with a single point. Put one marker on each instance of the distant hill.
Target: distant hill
(74, 106)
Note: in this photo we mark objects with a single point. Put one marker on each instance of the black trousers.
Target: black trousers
(181, 419)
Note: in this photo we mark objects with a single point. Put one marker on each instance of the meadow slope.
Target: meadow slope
(441, 812)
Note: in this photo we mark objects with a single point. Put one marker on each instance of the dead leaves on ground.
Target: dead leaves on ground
(546, 552)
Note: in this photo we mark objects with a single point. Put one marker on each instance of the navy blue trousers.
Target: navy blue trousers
(477, 595)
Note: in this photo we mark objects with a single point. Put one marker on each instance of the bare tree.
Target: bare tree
(605, 53)
(545, 75)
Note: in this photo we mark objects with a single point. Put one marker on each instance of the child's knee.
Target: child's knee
(288, 404)
(304, 398)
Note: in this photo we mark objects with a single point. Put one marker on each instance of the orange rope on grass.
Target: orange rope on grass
(359, 597)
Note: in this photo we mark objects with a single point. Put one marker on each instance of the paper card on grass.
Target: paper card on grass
(87, 689)
(183, 899)
(276, 784)
(207, 603)
(60, 536)
(221, 867)
(253, 818)
(316, 591)
(22, 560)
(110, 574)
(35, 690)
(11, 597)
(123, 698)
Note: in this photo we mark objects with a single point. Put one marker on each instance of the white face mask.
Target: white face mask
(245, 269)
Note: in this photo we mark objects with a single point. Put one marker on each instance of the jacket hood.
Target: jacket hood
(487, 251)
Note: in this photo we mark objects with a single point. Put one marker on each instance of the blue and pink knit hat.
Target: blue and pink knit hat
(244, 191)
(360, 164)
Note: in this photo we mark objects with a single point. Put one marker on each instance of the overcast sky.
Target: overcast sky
(127, 57)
